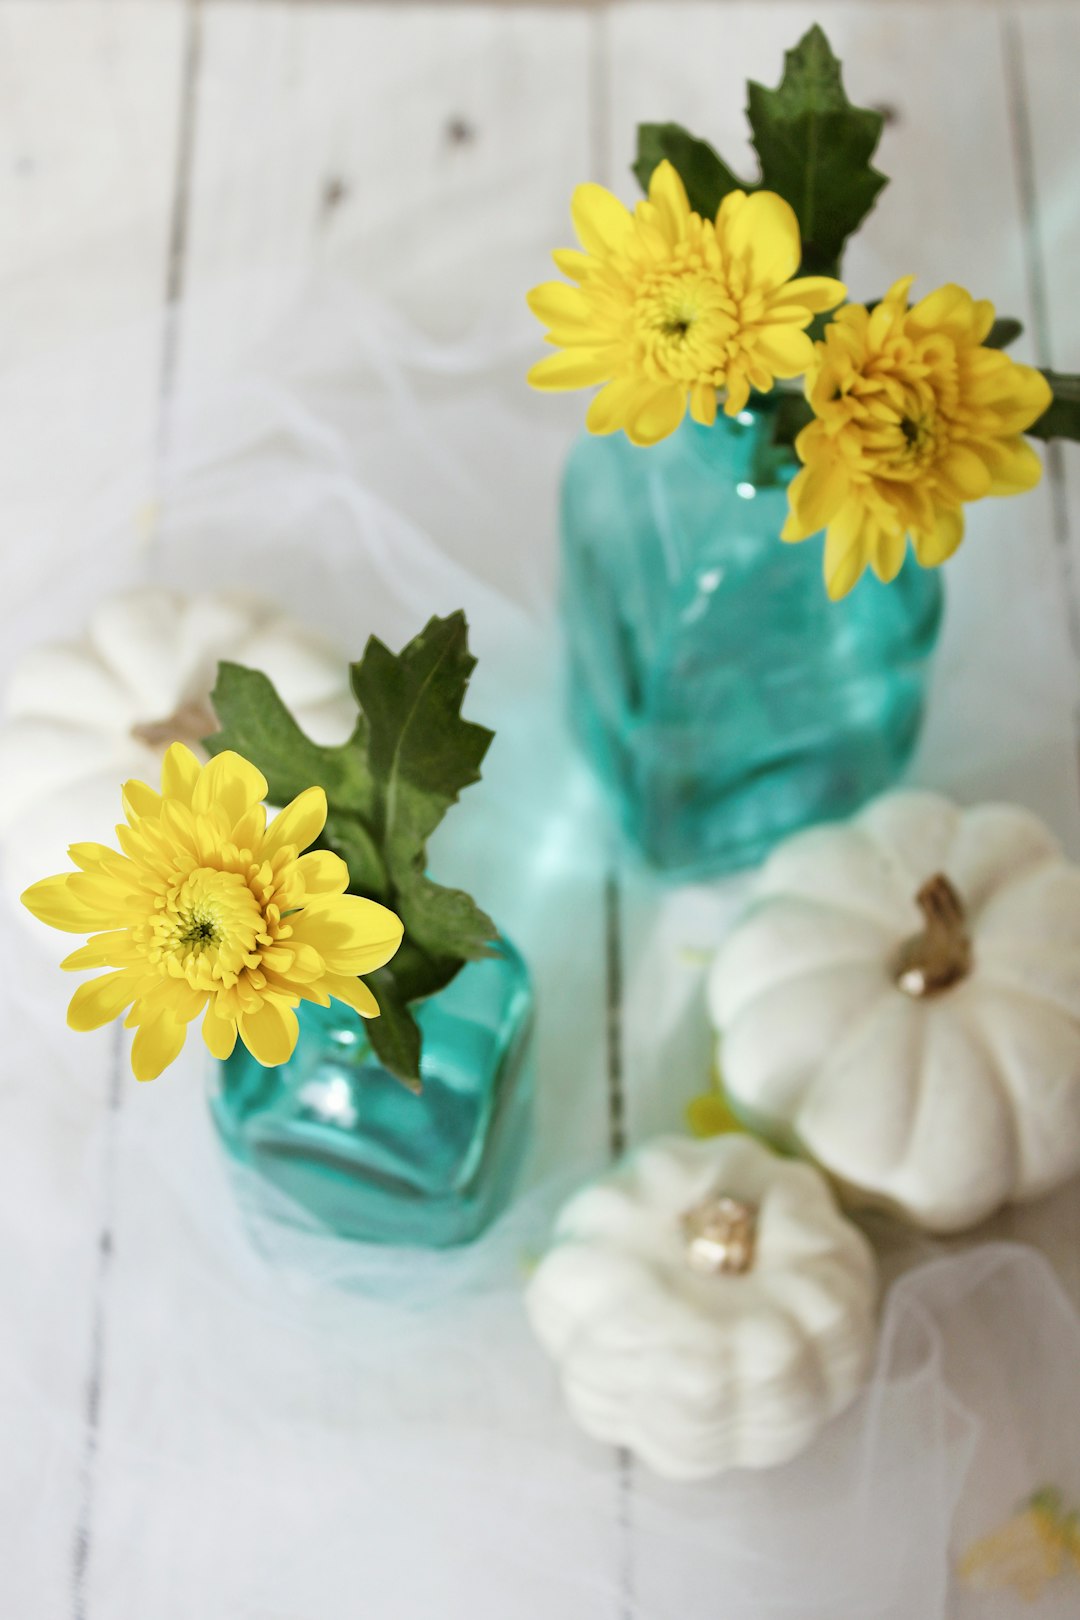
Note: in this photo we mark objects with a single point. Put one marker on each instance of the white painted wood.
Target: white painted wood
(1040, 43)
(88, 99)
(423, 157)
(423, 153)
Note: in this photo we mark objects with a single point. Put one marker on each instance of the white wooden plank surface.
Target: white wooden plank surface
(87, 151)
(241, 153)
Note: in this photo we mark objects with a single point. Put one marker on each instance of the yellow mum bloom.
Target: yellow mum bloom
(208, 910)
(914, 417)
(669, 306)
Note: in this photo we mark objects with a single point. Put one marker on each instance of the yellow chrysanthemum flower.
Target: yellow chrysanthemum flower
(670, 307)
(208, 910)
(1027, 1553)
(913, 418)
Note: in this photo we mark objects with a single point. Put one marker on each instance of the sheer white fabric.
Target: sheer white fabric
(240, 1418)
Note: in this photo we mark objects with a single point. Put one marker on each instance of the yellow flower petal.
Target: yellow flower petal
(270, 1034)
(576, 368)
(659, 415)
(815, 293)
(565, 309)
(180, 771)
(52, 901)
(615, 405)
(219, 1033)
(762, 229)
(785, 350)
(99, 1001)
(299, 824)
(815, 495)
(962, 475)
(230, 783)
(1015, 465)
(354, 993)
(668, 196)
(140, 800)
(115, 949)
(935, 546)
(571, 262)
(845, 552)
(602, 222)
(703, 403)
(352, 935)
(710, 1115)
(155, 1046)
(323, 872)
(887, 555)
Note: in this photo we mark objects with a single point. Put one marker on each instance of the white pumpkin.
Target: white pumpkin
(901, 1003)
(707, 1306)
(81, 719)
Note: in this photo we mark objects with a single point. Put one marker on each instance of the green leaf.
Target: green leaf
(1062, 418)
(446, 922)
(395, 1034)
(348, 837)
(421, 752)
(410, 756)
(705, 175)
(1005, 330)
(255, 723)
(815, 150)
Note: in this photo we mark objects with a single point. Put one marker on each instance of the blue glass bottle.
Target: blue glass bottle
(724, 699)
(369, 1159)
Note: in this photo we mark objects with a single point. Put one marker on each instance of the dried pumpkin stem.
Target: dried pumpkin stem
(192, 722)
(940, 955)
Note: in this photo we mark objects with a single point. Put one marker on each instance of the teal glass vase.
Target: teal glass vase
(367, 1158)
(724, 699)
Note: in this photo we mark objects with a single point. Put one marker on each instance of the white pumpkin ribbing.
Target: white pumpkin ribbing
(940, 1109)
(697, 1373)
(81, 719)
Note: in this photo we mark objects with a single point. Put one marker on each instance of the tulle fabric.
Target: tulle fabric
(209, 1408)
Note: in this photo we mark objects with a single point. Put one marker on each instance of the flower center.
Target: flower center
(683, 321)
(208, 928)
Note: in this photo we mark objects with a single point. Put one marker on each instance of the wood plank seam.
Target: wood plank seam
(82, 1544)
(601, 163)
(95, 1375)
(178, 227)
(1019, 110)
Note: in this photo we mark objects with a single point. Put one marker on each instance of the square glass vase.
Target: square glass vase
(723, 698)
(362, 1154)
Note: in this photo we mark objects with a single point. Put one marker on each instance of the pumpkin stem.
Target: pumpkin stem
(192, 721)
(940, 955)
(720, 1234)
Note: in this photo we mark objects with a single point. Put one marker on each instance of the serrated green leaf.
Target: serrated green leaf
(395, 1034)
(1062, 419)
(421, 753)
(815, 149)
(1005, 330)
(255, 723)
(447, 922)
(348, 837)
(703, 172)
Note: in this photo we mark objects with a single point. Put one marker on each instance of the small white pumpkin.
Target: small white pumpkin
(707, 1306)
(81, 719)
(901, 1003)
